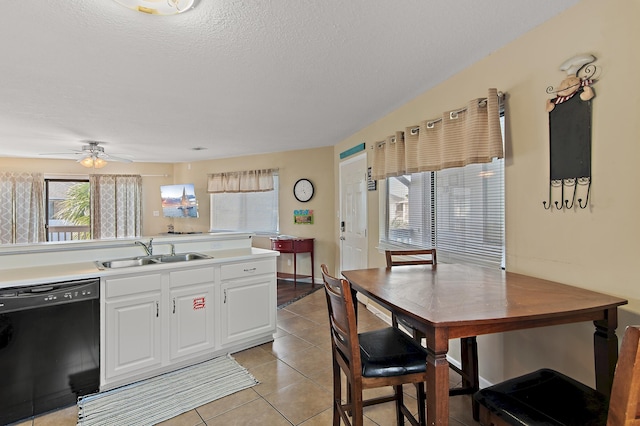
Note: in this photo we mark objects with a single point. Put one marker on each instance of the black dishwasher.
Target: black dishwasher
(49, 346)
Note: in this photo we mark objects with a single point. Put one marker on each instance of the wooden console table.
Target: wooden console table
(295, 246)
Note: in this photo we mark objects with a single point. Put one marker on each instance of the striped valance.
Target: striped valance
(242, 181)
(464, 136)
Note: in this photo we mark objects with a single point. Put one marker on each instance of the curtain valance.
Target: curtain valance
(242, 181)
(464, 136)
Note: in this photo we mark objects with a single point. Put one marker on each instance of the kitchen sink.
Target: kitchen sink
(150, 260)
(126, 263)
(184, 257)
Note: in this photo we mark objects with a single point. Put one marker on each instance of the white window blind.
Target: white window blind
(409, 212)
(459, 211)
(470, 213)
(246, 211)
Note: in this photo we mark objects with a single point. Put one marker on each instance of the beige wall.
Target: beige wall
(594, 248)
(154, 175)
(314, 164)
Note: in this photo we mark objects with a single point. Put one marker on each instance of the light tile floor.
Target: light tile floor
(295, 380)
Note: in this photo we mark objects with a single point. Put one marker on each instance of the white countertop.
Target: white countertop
(22, 276)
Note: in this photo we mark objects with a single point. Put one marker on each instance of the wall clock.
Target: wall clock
(303, 190)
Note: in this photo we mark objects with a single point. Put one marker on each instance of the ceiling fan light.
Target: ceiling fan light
(93, 162)
(158, 7)
(87, 162)
(99, 163)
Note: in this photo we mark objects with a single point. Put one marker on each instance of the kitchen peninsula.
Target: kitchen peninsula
(215, 295)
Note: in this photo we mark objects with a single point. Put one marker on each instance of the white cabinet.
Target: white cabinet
(192, 304)
(133, 341)
(153, 320)
(160, 320)
(248, 305)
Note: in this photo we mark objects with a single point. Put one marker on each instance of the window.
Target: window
(460, 211)
(68, 210)
(470, 213)
(246, 211)
(410, 220)
(101, 207)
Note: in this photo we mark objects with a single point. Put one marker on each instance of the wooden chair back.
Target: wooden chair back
(342, 320)
(409, 257)
(405, 257)
(388, 358)
(468, 345)
(624, 405)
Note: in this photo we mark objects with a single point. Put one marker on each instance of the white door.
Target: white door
(353, 213)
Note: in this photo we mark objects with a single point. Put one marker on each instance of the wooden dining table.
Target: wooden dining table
(452, 301)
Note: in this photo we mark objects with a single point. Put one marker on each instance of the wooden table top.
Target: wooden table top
(453, 300)
(457, 295)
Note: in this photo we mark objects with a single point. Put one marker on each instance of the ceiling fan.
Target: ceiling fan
(92, 155)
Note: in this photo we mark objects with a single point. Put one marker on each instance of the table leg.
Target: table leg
(470, 378)
(605, 347)
(295, 274)
(354, 297)
(312, 279)
(438, 373)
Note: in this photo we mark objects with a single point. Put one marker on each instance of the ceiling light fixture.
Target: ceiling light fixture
(93, 162)
(93, 156)
(158, 7)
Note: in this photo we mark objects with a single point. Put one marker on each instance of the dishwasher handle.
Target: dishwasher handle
(43, 289)
(42, 295)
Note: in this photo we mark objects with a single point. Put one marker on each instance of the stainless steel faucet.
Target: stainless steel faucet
(147, 247)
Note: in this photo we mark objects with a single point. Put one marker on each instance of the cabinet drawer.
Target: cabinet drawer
(191, 276)
(132, 285)
(282, 245)
(241, 270)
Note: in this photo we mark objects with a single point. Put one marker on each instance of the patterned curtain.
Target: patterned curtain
(22, 212)
(116, 204)
(244, 181)
(465, 136)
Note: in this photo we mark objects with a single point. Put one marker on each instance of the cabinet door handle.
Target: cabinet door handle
(157, 309)
(174, 305)
(225, 296)
(250, 270)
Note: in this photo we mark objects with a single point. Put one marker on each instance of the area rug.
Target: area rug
(160, 398)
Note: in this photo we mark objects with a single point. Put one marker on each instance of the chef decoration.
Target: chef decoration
(570, 135)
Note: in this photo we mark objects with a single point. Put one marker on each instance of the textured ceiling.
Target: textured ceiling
(234, 77)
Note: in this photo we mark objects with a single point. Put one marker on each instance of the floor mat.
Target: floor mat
(162, 397)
